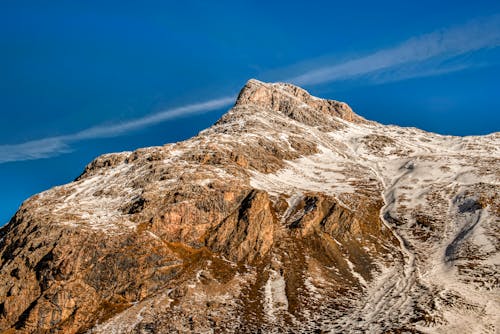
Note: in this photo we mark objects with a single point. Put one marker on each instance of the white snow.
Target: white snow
(98, 211)
(323, 172)
(275, 299)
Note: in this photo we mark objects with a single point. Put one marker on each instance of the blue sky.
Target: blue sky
(78, 79)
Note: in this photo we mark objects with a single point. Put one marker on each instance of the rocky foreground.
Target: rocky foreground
(290, 214)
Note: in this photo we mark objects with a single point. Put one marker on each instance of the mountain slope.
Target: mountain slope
(291, 213)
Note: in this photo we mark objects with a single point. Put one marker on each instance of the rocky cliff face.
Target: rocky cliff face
(291, 213)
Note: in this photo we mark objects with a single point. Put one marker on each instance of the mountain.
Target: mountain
(290, 214)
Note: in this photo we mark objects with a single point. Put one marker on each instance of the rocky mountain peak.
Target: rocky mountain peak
(293, 101)
(290, 214)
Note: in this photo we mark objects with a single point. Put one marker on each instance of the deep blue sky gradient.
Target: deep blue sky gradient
(68, 65)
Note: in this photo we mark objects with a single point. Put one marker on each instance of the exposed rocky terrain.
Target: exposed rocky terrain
(290, 214)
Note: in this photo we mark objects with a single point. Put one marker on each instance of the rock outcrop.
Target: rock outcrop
(290, 214)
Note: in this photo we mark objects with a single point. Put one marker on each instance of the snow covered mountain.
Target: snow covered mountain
(290, 214)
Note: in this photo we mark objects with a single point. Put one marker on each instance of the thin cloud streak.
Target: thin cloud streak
(33, 150)
(421, 72)
(442, 44)
(140, 123)
(57, 145)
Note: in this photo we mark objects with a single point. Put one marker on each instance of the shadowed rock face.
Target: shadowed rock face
(246, 233)
(268, 221)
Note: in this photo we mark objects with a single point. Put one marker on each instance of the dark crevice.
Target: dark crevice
(21, 321)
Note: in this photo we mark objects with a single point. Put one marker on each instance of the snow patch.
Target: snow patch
(275, 299)
(320, 172)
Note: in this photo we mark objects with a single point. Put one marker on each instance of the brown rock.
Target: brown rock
(291, 213)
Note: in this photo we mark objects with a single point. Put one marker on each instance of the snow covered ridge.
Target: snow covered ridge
(451, 249)
(291, 213)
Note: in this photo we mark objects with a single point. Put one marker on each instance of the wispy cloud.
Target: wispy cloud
(416, 57)
(422, 71)
(439, 45)
(57, 145)
(162, 116)
(35, 149)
